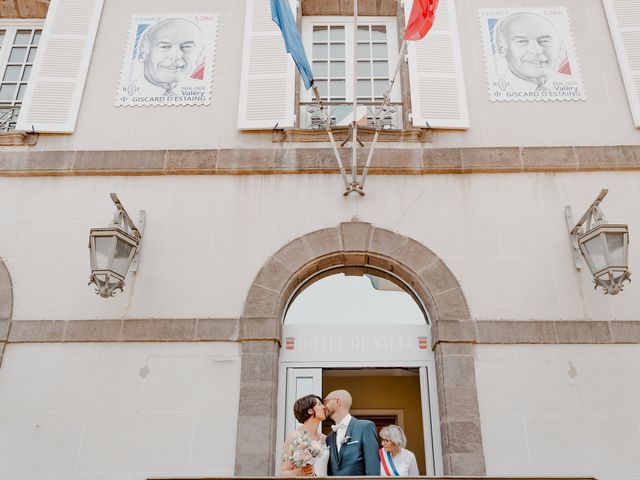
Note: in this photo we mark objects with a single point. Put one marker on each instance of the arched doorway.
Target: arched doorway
(363, 330)
(356, 245)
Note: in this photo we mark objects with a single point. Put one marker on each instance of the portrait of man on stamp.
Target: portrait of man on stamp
(531, 45)
(529, 55)
(169, 60)
(169, 51)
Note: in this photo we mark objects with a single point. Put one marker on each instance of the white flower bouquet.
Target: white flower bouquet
(303, 451)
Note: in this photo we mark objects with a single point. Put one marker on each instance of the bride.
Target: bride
(310, 412)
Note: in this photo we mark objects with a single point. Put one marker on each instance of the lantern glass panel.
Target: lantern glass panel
(122, 257)
(616, 275)
(103, 252)
(597, 252)
(615, 243)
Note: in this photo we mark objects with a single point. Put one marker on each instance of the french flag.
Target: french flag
(423, 14)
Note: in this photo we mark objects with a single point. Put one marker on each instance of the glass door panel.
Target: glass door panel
(300, 382)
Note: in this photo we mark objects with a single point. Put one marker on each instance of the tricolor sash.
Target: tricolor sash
(386, 460)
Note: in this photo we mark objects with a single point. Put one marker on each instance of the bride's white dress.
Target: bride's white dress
(320, 465)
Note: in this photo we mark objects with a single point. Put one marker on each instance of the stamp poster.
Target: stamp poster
(168, 60)
(529, 55)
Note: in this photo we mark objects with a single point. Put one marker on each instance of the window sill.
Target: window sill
(341, 133)
(18, 139)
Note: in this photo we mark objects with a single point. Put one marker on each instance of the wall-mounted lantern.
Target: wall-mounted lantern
(604, 246)
(114, 251)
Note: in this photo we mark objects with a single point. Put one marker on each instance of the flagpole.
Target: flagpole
(385, 102)
(327, 124)
(403, 50)
(354, 145)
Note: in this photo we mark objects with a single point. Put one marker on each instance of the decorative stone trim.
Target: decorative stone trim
(413, 160)
(18, 139)
(357, 245)
(24, 8)
(256, 329)
(460, 431)
(4, 330)
(345, 7)
(550, 332)
(6, 293)
(340, 133)
(6, 306)
(128, 330)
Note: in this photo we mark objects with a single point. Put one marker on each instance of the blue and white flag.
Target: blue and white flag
(282, 15)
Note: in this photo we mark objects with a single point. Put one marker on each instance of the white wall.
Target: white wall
(560, 410)
(123, 411)
(206, 238)
(604, 119)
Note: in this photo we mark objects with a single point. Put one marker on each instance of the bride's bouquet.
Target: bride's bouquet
(303, 451)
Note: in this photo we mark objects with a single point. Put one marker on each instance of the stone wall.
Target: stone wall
(23, 8)
(6, 306)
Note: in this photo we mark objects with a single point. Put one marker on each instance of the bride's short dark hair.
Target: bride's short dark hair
(303, 405)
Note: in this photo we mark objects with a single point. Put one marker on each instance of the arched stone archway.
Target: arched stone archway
(6, 305)
(357, 244)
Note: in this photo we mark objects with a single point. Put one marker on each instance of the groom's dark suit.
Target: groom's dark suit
(358, 454)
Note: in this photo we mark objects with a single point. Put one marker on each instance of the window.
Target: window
(330, 42)
(18, 46)
(268, 95)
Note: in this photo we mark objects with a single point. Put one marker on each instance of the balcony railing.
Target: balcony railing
(341, 114)
(8, 118)
(386, 478)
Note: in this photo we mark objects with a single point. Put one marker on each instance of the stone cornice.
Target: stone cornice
(415, 160)
(481, 332)
(18, 139)
(24, 8)
(345, 7)
(509, 332)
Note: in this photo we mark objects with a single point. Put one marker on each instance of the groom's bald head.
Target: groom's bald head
(338, 404)
(344, 396)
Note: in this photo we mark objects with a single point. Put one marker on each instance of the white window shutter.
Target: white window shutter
(624, 23)
(54, 93)
(438, 96)
(267, 86)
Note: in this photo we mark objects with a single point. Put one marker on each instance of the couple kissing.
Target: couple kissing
(351, 449)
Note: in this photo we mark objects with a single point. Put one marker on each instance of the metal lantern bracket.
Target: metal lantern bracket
(114, 250)
(593, 213)
(604, 247)
(122, 218)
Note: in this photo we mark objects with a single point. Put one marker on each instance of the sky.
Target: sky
(339, 299)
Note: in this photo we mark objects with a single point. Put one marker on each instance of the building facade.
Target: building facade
(506, 113)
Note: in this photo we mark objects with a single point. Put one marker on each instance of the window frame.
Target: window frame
(308, 22)
(11, 27)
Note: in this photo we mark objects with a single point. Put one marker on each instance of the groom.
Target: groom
(353, 443)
